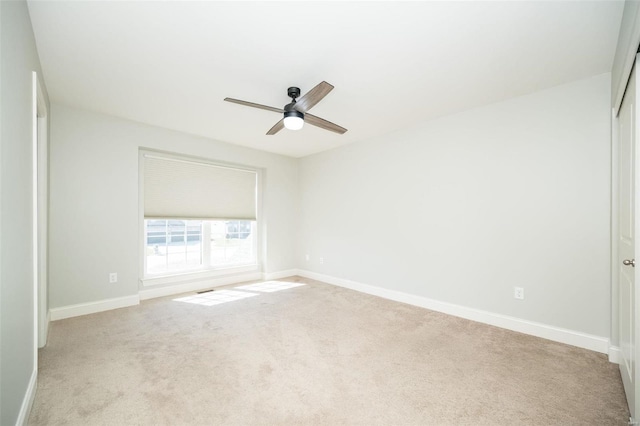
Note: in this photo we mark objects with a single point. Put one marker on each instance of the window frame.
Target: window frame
(199, 273)
(205, 248)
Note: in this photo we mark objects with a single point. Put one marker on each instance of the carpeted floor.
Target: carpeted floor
(312, 355)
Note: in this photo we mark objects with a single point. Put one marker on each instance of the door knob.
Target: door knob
(628, 262)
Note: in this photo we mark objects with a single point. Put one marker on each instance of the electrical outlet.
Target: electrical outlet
(321, 260)
(306, 257)
(113, 277)
(518, 293)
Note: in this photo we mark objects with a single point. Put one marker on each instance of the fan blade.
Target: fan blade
(254, 105)
(313, 96)
(323, 124)
(276, 127)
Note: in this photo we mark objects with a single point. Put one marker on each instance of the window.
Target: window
(175, 246)
(198, 216)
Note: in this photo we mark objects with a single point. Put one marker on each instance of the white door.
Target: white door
(627, 161)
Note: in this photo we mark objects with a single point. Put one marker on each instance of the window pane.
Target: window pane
(232, 243)
(173, 245)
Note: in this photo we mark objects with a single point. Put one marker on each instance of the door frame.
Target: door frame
(40, 218)
(614, 343)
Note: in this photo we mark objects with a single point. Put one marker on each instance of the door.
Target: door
(627, 209)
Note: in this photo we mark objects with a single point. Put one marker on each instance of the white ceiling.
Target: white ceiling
(170, 64)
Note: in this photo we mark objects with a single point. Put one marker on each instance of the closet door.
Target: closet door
(627, 244)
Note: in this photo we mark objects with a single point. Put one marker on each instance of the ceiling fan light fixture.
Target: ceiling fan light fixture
(295, 112)
(293, 120)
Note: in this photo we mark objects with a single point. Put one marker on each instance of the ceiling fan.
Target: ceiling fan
(295, 113)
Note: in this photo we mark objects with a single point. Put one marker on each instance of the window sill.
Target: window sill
(186, 277)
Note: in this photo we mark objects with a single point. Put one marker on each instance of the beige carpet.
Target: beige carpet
(317, 355)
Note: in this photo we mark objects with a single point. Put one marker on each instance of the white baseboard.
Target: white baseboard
(27, 401)
(557, 334)
(614, 354)
(280, 274)
(93, 307)
(150, 293)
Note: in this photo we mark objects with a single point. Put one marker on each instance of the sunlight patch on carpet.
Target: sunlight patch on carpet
(215, 297)
(269, 286)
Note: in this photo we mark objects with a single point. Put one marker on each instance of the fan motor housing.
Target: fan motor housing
(290, 107)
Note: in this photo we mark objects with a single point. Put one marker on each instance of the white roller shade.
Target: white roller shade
(183, 189)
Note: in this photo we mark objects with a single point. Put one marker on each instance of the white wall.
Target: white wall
(94, 212)
(463, 208)
(19, 60)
